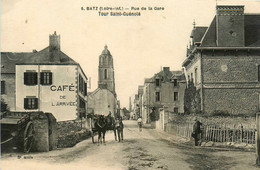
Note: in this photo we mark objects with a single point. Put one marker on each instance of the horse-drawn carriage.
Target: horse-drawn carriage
(101, 124)
(25, 130)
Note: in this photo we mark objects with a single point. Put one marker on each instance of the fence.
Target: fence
(217, 133)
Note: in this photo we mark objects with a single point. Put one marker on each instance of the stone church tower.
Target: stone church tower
(106, 79)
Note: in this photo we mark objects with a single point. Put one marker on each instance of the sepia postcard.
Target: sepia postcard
(130, 84)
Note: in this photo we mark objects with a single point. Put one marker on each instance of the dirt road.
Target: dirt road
(148, 149)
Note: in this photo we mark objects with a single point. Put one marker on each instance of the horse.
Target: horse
(101, 126)
(111, 124)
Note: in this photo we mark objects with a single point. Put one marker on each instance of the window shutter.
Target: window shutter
(36, 103)
(42, 78)
(85, 89)
(25, 103)
(35, 79)
(50, 78)
(25, 78)
(2, 87)
(258, 72)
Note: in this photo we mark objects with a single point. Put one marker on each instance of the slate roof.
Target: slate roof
(10, 59)
(167, 76)
(90, 94)
(197, 33)
(252, 32)
(42, 57)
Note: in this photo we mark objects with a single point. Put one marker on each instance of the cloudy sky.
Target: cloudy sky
(140, 45)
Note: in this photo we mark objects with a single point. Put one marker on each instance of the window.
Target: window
(85, 89)
(157, 82)
(46, 78)
(175, 82)
(196, 76)
(31, 103)
(175, 96)
(105, 74)
(2, 87)
(30, 78)
(176, 110)
(191, 76)
(157, 96)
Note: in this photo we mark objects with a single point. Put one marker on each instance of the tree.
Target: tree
(192, 100)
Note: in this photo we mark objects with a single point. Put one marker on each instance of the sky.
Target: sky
(140, 45)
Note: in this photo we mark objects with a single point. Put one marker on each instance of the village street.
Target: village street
(148, 149)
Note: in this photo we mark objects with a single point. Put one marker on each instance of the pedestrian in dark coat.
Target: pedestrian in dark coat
(119, 127)
(196, 131)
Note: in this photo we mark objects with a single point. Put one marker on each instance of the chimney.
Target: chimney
(54, 47)
(230, 26)
(166, 69)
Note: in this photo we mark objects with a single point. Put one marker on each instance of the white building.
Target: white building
(50, 81)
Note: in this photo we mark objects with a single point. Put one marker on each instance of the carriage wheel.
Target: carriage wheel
(28, 137)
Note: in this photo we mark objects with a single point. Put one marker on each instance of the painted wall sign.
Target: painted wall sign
(62, 87)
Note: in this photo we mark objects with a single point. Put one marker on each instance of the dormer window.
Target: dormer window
(175, 82)
(157, 82)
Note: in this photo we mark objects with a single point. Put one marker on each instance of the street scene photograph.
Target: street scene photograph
(130, 85)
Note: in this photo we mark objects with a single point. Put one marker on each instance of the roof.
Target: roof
(42, 57)
(167, 76)
(10, 59)
(106, 51)
(252, 32)
(209, 38)
(197, 33)
(90, 94)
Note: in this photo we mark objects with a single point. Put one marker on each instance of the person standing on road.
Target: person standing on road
(119, 128)
(196, 131)
(140, 123)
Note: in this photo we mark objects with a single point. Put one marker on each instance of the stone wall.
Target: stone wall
(41, 128)
(233, 101)
(52, 131)
(230, 82)
(9, 96)
(73, 131)
(230, 67)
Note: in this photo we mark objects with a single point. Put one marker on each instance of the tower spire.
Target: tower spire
(194, 23)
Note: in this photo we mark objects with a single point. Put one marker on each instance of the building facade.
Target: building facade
(223, 62)
(164, 90)
(50, 81)
(104, 99)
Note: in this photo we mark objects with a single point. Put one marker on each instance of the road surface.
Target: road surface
(148, 149)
